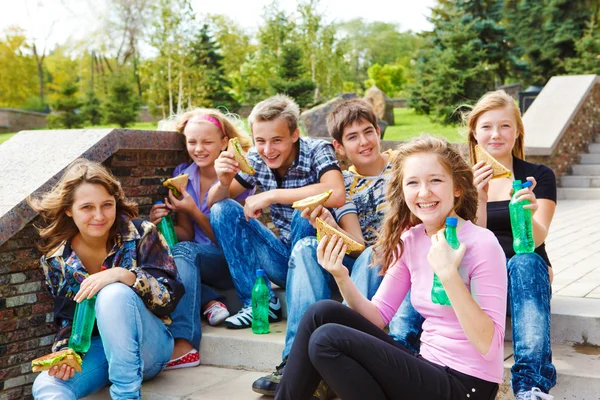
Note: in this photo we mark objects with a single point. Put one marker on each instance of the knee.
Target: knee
(111, 297)
(323, 309)
(322, 339)
(530, 265)
(225, 210)
(305, 248)
(183, 249)
(48, 386)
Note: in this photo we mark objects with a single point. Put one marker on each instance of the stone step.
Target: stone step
(579, 193)
(580, 181)
(586, 169)
(578, 377)
(594, 148)
(589, 158)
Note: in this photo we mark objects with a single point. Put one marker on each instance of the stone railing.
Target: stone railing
(12, 120)
(562, 121)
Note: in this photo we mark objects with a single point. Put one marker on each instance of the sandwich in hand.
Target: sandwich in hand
(235, 148)
(323, 228)
(312, 202)
(499, 170)
(68, 356)
(175, 183)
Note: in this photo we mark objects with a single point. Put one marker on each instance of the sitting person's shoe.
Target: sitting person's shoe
(216, 313)
(323, 392)
(267, 385)
(533, 394)
(274, 309)
(241, 320)
(189, 359)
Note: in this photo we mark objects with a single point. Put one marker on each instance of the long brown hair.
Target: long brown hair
(51, 206)
(398, 217)
(493, 101)
(229, 128)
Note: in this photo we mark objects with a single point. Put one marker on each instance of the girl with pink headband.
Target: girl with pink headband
(199, 259)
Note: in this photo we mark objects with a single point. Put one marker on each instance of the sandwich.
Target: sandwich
(312, 202)
(235, 148)
(323, 228)
(499, 170)
(176, 182)
(68, 356)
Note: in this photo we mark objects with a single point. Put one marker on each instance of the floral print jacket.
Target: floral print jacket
(138, 248)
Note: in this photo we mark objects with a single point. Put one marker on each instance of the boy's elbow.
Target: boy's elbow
(337, 199)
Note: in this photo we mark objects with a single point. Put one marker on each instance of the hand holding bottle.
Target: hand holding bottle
(444, 260)
(527, 194)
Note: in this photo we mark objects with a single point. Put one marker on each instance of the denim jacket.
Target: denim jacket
(138, 248)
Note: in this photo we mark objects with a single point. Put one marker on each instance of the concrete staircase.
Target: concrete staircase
(233, 359)
(584, 183)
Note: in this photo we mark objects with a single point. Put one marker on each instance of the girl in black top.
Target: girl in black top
(495, 124)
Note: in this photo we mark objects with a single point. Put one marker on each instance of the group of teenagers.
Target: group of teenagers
(150, 299)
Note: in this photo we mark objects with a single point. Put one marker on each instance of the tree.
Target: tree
(205, 53)
(587, 60)
(17, 79)
(91, 108)
(290, 78)
(66, 108)
(453, 67)
(121, 106)
(546, 32)
(389, 78)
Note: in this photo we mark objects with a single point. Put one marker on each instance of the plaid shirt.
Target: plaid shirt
(314, 158)
(139, 249)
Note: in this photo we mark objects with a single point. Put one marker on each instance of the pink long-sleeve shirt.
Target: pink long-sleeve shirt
(443, 341)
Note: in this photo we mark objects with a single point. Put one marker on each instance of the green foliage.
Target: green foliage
(18, 73)
(409, 124)
(34, 103)
(587, 60)
(66, 108)
(461, 60)
(546, 32)
(91, 109)
(121, 105)
(389, 78)
(290, 80)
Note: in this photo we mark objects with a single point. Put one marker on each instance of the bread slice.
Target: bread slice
(235, 148)
(68, 356)
(176, 182)
(500, 171)
(313, 201)
(323, 228)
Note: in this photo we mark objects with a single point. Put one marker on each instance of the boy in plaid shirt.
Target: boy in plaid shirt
(288, 168)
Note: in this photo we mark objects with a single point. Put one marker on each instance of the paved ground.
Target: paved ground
(573, 246)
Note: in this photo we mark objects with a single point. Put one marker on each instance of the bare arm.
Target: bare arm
(184, 228)
(227, 187)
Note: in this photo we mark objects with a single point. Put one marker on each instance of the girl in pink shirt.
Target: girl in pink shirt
(462, 344)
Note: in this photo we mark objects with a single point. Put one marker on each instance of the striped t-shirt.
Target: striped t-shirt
(365, 196)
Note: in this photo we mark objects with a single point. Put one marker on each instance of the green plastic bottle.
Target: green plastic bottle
(260, 304)
(438, 293)
(166, 227)
(83, 324)
(520, 221)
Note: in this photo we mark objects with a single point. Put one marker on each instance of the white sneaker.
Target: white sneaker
(534, 394)
(241, 320)
(216, 313)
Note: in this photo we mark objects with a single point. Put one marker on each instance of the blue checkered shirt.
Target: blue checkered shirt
(315, 157)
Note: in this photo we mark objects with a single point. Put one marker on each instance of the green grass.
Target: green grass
(408, 124)
(5, 136)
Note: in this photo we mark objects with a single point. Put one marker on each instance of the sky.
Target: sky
(55, 21)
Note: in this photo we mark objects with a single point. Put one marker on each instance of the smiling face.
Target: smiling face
(93, 211)
(204, 142)
(496, 132)
(428, 190)
(360, 143)
(275, 144)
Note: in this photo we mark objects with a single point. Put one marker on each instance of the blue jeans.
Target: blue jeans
(134, 345)
(405, 327)
(198, 265)
(529, 294)
(249, 245)
(308, 282)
